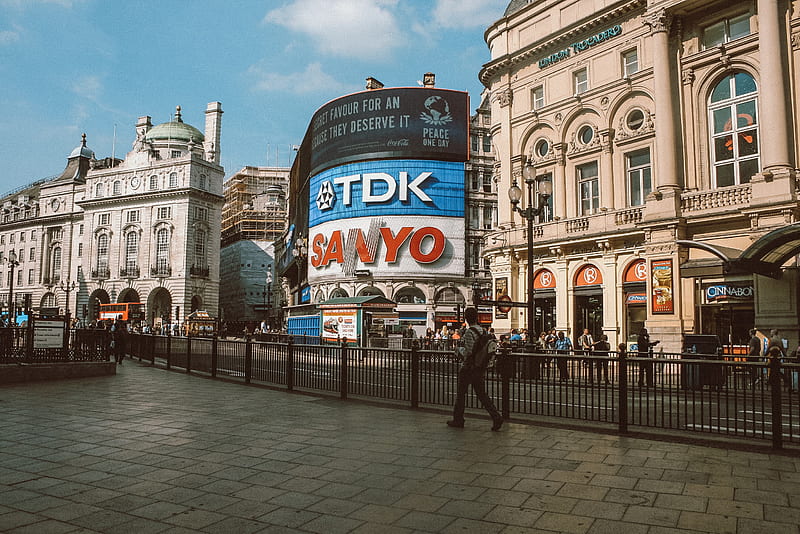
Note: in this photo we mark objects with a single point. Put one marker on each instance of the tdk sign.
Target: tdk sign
(388, 187)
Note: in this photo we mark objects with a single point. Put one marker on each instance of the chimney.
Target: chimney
(213, 131)
(372, 83)
(429, 79)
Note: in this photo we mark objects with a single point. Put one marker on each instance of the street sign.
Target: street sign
(504, 308)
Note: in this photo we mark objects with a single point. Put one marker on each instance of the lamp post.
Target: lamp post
(268, 298)
(12, 262)
(543, 191)
(67, 288)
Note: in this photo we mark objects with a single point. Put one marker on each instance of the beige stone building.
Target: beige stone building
(667, 131)
(140, 229)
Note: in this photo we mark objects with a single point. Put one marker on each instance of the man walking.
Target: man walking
(645, 368)
(471, 374)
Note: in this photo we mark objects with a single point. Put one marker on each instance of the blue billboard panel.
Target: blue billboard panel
(387, 187)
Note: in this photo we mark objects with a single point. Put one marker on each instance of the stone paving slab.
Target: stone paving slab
(155, 451)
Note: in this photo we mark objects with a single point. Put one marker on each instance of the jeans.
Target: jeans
(472, 376)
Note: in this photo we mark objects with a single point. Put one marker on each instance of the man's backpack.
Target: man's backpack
(484, 349)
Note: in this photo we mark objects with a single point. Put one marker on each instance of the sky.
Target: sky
(69, 67)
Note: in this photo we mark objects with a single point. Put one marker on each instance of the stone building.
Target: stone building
(140, 229)
(645, 117)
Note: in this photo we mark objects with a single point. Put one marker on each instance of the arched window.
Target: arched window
(131, 252)
(338, 293)
(734, 130)
(162, 250)
(102, 253)
(173, 179)
(410, 295)
(200, 248)
(117, 188)
(99, 190)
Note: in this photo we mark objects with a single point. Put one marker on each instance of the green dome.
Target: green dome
(176, 130)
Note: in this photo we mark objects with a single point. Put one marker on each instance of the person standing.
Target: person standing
(601, 348)
(119, 337)
(563, 345)
(754, 355)
(644, 346)
(471, 374)
(586, 342)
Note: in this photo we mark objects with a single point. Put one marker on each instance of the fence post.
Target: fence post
(506, 370)
(152, 344)
(290, 364)
(169, 347)
(414, 374)
(214, 349)
(343, 373)
(188, 352)
(775, 375)
(623, 388)
(248, 359)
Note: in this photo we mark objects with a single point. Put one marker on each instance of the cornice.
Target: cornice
(148, 197)
(509, 60)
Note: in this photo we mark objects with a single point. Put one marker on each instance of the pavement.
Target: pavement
(150, 450)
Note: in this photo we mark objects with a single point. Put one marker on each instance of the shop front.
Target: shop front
(588, 301)
(727, 310)
(634, 287)
(544, 296)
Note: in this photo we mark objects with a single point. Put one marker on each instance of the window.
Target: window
(164, 212)
(634, 120)
(131, 252)
(474, 139)
(55, 265)
(133, 216)
(176, 154)
(30, 277)
(200, 248)
(537, 97)
(586, 134)
(630, 63)
(581, 79)
(474, 216)
(162, 250)
(80, 250)
(487, 183)
(202, 181)
(19, 277)
(639, 176)
(153, 182)
(2, 239)
(80, 232)
(102, 252)
(487, 143)
(99, 190)
(726, 30)
(542, 148)
(173, 176)
(32, 254)
(12, 238)
(200, 214)
(475, 179)
(588, 188)
(117, 188)
(488, 217)
(103, 218)
(734, 130)
(22, 237)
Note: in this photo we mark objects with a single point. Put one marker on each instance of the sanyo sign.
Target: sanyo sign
(390, 216)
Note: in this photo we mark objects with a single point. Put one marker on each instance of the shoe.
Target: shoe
(455, 424)
(497, 424)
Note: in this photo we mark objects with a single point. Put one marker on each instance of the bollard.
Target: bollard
(414, 374)
(214, 348)
(777, 408)
(623, 389)
(290, 364)
(343, 374)
(248, 359)
(188, 352)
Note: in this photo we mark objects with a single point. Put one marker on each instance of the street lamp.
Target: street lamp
(12, 262)
(543, 190)
(67, 288)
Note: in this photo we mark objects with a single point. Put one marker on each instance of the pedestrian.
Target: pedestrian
(516, 337)
(601, 348)
(472, 374)
(563, 346)
(119, 339)
(644, 346)
(585, 342)
(754, 355)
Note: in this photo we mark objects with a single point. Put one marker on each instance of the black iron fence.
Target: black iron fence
(17, 345)
(679, 393)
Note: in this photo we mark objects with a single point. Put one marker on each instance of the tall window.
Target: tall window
(588, 188)
(200, 248)
(102, 252)
(726, 30)
(581, 79)
(173, 176)
(117, 188)
(487, 183)
(99, 190)
(55, 265)
(734, 130)
(488, 217)
(154, 182)
(32, 254)
(162, 249)
(131, 251)
(639, 176)
(474, 139)
(487, 142)
(475, 179)
(537, 97)
(630, 62)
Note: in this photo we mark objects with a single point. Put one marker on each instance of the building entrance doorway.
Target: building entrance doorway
(545, 315)
(588, 314)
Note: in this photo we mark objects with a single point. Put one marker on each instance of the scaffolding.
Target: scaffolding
(255, 205)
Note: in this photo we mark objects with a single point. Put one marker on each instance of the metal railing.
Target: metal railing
(82, 345)
(683, 394)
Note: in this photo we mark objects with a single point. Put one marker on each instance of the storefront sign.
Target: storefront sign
(544, 279)
(636, 272)
(633, 299)
(725, 292)
(662, 286)
(588, 275)
(580, 46)
(501, 292)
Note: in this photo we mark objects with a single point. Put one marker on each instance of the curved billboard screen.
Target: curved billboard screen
(388, 217)
(409, 122)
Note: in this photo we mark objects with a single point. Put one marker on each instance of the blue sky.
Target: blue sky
(74, 66)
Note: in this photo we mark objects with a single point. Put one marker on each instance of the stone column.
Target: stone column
(772, 90)
(606, 173)
(503, 138)
(560, 184)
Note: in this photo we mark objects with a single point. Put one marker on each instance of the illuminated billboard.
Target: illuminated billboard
(409, 122)
(389, 217)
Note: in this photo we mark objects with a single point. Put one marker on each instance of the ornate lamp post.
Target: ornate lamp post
(12, 262)
(543, 190)
(67, 288)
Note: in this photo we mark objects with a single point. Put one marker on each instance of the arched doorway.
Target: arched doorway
(410, 295)
(98, 296)
(197, 303)
(370, 291)
(159, 306)
(449, 306)
(128, 295)
(338, 293)
(588, 301)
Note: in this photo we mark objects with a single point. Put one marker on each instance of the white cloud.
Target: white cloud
(467, 13)
(90, 87)
(363, 29)
(9, 36)
(312, 79)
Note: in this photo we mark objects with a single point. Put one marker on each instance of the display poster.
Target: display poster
(500, 290)
(48, 334)
(340, 325)
(662, 286)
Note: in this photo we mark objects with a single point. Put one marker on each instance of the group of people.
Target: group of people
(772, 346)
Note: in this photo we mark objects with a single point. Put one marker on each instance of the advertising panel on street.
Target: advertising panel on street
(340, 324)
(387, 217)
(390, 123)
(662, 286)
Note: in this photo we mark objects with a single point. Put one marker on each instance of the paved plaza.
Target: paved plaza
(150, 450)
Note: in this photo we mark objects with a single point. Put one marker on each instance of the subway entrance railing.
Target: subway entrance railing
(683, 394)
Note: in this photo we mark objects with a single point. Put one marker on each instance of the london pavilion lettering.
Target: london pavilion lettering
(580, 46)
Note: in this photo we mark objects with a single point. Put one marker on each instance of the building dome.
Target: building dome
(517, 5)
(175, 130)
(82, 150)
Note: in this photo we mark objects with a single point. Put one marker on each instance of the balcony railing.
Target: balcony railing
(101, 273)
(202, 272)
(726, 197)
(160, 270)
(129, 272)
(51, 281)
